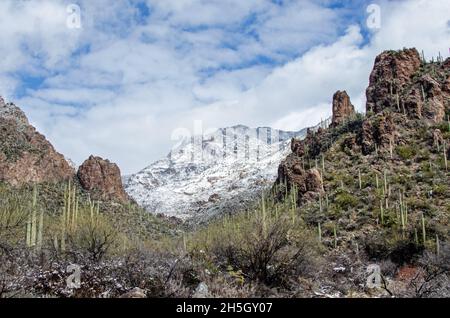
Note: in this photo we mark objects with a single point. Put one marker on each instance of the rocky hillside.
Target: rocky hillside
(378, 180)
(27, 157)
(213, 174)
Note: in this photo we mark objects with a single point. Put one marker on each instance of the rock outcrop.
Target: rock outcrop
(298, 147)
(401, 82)
(392, 72)
(102, 179)
(342, 108)
(25, 155)
(402, 89)
(378, 132)
(307, 182)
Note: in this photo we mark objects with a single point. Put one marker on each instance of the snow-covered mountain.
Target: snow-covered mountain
(215, 173)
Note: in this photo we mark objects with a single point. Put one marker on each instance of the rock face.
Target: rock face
(400, 81)
(308, 183)
(25, 155)
(391, 73)
(102, 178)
(378, 132)
(342, 108)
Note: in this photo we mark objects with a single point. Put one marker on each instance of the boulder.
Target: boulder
(308, 183)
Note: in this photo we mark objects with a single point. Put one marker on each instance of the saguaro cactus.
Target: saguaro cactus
(424, 231)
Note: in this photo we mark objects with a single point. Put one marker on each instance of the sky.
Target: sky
(131, 73)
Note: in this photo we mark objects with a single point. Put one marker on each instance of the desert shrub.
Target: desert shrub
(266, 246)
(345, 200)
(440, 189)
(424, 156)
(406, 152)
(420, 204)
(161, 274)
(434, 278)
(388, 245)
(91, 236)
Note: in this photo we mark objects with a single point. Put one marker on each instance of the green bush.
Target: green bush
(440, 189)
(406, 152)
(345, 200)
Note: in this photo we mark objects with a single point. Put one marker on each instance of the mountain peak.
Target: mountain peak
(216, 173)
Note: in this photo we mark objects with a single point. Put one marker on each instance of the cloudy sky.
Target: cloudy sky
(137, 70)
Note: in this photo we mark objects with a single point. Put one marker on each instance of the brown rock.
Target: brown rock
(291, 173)
(367, 140)
(377, 132)
(434, 108)
(342, 108)
(426, 99)
(413, 104)
(102, 178)
(25, 155)
(307, 183)
(314, 181)
(391, 74)
(298, 147)
(446, 86)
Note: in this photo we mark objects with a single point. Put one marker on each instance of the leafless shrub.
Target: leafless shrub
(433, 279)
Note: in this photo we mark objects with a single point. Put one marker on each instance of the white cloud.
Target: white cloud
(134, 82)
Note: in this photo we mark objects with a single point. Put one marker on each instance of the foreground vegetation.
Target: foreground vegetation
(274, 249)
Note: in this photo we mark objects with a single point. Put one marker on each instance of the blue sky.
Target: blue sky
(138, 70)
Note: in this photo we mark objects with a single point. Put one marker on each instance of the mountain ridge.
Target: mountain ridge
(232, 162)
